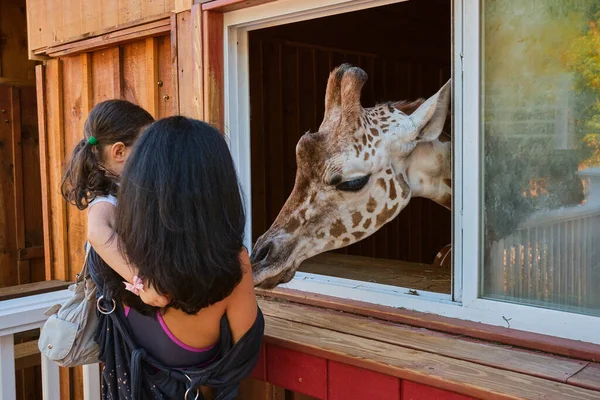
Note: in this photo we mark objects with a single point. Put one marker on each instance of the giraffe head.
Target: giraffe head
(352, 175)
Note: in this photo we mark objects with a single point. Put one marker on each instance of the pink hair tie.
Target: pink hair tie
(138, 285)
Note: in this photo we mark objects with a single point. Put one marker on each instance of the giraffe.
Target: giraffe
(356, 174)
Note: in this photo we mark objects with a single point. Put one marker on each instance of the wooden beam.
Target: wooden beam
(86, 83)
(214, 80)
(44, 167)
(152, 76)
(117, 69)
(44, 50)
(189, 63)
(445, 373)
(27, 354)
(232, 5)
(17, 161)
(528, 340)
(30, 289)
(174, 65)
(156, 28)
(16, 82)
(31, 253)
(56, 150)
(546, 366)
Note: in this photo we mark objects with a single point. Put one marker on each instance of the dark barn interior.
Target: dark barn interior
(405, 48)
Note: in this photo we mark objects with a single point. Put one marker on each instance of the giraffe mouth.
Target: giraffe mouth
(281, 278)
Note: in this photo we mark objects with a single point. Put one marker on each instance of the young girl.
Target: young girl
(91, 181)
(181, 221)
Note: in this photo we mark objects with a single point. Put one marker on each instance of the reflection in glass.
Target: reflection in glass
(541, 143)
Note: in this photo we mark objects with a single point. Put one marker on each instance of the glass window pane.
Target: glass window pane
(541, 144)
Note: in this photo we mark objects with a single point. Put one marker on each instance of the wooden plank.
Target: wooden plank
(90, 15)
(74, 119)
(417, 276)
(190, 62)
(129, 10)
(152, 7)
(166, 99)
(232, 5)
(117, 72)
(297, 371)
(536, 364)
(135, 85)
(56, 150)
(44, 169)
(23, 266)
(31, 253)
(415, 391)
(14, 61)
(174, 66)
(8, 246)
(86, 84)
(549, 344)
(156, 28)
(212, 28)
(152, 76)
(183, 5)
(32, 201)
(30, 289)
(348, 382)
(104, 82)
(588, 377)
(425, 368)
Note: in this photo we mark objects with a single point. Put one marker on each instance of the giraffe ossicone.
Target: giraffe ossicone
(356, 174)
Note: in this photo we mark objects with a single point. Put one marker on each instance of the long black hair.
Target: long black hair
(181, 217)
(109, 122)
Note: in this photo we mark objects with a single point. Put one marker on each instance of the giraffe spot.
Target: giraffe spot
(374, 132)
(337, 229)
(356, 218)
(366, 156)
(440, 159)
(392, 190)
(404, 188)
(320, 235)
(373, 152)
(446, 201)
(360, 147)
(391, 109)
(357, 151)
(367, 224)
(385, 215)
(377, 143)
(384, 126)
(346, 240)
(381, 182)
(448, 182)
(331, 244)
(292, 225)
(371, 205)
(388, 171)
(358, 235)
(364, 139)
(384, 118)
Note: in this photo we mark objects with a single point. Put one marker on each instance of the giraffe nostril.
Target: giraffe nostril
(261, 253)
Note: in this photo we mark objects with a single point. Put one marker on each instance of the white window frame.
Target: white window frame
(464, 303)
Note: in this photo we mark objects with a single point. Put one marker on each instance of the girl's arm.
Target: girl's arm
(103, 239)
(241, 304)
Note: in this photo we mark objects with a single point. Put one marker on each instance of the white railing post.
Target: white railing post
(50, 379)
(91, 382)
(8, 386)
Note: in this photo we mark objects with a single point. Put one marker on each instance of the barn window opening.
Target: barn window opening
(405, 49)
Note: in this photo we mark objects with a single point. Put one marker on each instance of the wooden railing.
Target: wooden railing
(24, 314)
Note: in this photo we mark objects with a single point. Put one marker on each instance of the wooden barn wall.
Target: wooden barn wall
(68, 88)
(52, 22)
(289, 66)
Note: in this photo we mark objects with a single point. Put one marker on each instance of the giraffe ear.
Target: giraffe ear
(333, 97)
(352, 83)
(430, 117)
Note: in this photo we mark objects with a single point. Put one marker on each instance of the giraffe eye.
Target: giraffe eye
(354, 185)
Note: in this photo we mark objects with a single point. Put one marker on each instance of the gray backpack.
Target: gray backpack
(67, 337)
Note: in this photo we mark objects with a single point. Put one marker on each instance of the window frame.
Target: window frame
(465, 302)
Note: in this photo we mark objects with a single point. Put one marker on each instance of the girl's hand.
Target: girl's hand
(151, 297)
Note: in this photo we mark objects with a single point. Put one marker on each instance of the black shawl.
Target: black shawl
(131, 373)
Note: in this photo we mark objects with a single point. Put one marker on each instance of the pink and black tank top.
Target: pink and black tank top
(155, 337)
